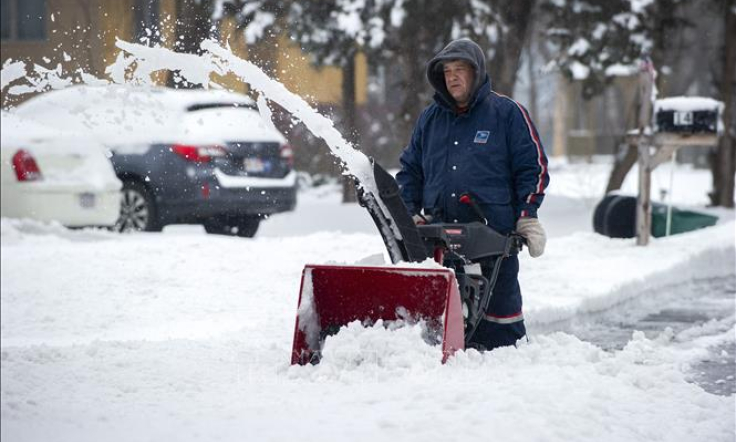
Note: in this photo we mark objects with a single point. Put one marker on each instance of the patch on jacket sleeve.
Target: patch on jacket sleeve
(481, 137)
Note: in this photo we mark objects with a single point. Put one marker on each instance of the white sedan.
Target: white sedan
(50, 175)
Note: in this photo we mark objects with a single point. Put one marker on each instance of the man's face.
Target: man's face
(459, 80)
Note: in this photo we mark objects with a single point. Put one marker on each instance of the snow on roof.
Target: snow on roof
(687, 104)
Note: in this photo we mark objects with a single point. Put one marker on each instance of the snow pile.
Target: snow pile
(359, 351)
(19, 231)
(374, 384)
(614, 270)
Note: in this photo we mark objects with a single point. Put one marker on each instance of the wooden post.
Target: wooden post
(559, 120)
(644, 203)
(653, 151)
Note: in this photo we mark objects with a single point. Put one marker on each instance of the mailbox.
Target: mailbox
(688, 115)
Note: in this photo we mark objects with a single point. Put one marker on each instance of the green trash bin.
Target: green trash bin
(682, 220)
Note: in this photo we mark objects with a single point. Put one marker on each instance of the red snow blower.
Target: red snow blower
(451, 300)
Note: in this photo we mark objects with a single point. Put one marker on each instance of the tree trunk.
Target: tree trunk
(621, 168)
(349, 119)
(426, 30)
(517, 17)
(193, 25)
(724, 164)
(531, 70)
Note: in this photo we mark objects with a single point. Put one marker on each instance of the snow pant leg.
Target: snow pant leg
(491, 335)
(505, 303)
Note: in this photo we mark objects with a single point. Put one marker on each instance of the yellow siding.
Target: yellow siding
(167, 14)
(320, 85)
(361, 78)
(230, 35)
(116, 21)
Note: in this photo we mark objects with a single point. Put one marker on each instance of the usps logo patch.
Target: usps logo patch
(481, 137)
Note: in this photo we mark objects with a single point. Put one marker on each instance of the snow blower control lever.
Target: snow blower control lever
(453, 298)
(467, 198)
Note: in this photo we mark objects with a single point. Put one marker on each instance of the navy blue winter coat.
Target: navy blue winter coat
(491, 151)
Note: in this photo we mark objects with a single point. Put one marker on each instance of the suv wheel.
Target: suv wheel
(137, 209)
(244, 226)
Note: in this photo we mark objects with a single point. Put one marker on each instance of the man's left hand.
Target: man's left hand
(536, 239)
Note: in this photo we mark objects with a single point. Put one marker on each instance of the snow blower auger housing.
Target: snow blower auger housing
(452, 300)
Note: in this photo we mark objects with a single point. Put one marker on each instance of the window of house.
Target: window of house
(23, 19)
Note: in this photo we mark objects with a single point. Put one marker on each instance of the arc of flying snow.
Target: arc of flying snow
(356, 163)
(220, 60)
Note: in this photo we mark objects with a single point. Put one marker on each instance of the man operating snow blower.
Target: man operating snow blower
(476, 155)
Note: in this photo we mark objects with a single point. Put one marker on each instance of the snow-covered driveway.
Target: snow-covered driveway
(187, 336)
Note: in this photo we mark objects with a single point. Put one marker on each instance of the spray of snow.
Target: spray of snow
(265, 112)
(12, 70)
(137, 63)
(143, 61)
(140, 61)
(356, 163)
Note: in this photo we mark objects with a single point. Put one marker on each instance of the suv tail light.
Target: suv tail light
(25, 166)
(287, 154)
(198, 154)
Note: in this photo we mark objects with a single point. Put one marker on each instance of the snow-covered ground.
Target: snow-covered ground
(186, 336)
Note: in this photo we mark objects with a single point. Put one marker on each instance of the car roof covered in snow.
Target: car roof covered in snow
(124, 114)
(229, 123)
(16, 131)
(179, 99)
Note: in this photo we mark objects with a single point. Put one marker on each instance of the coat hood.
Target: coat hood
(462, 49)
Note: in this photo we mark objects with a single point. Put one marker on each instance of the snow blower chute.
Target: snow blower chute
(452, 300)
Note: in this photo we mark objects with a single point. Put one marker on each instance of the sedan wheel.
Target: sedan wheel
(137, 210)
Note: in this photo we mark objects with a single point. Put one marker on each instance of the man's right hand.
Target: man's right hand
(420, 220)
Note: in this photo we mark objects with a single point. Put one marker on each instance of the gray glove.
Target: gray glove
(536, 239)
(420, 220)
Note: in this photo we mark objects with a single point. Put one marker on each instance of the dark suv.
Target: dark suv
(216, 163)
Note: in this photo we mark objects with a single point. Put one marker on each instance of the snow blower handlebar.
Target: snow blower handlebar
(408, 242)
